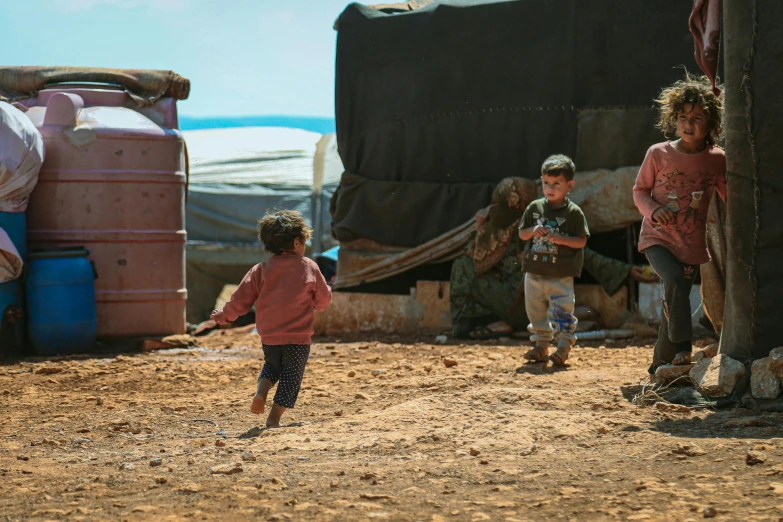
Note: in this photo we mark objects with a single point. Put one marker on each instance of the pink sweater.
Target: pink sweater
(683, 183)
(285, 289)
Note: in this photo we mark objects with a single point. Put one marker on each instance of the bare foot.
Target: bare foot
(682, 358)
(273, 421)
(258, 405)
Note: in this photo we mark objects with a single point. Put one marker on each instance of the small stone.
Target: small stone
(48, 371)
(717, 377)
(671, 408)
(191, 461)
(22, 457)
(667, 373)
(776, 362)
(475, 452)
(279, 482)
(448, 363)
(156, 462)
(689, 450)
(190, 488)
(352, 374)
(368, 476)
(161, 480)
(763, 383)
(220, 443)
(441, 339)
(143, 509)
(248, 456)
(226, 469)
(378, 372)
(126, 466)
(755, 457)
(484, 462)
(710, 512)
(361, 396)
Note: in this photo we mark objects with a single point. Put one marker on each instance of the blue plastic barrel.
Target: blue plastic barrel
(12, 292)
(11, 304)
(15, 225)
(61, 316)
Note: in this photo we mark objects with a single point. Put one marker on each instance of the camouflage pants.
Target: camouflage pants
(499, 294)
(479, 300)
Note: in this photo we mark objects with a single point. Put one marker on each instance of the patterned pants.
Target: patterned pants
(550, 306)
(285, 363)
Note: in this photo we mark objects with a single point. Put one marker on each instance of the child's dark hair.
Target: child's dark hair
(279, 230)
(559, 164)
(695, 90)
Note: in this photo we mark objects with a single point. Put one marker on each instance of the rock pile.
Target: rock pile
(716, 375)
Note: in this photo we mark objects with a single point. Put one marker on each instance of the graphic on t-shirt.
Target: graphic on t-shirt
(674, 203)
(542, 245)
(693, 209)
(683, 194)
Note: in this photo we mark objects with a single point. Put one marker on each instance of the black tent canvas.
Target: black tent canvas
(434, 106)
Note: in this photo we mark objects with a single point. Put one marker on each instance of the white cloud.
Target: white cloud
(158, 5)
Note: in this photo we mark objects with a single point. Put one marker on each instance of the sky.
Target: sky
(243, 57)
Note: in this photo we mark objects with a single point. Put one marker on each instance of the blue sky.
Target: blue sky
(243, 57)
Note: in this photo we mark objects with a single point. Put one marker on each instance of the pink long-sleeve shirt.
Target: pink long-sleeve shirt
(683, 183)
(285, 289)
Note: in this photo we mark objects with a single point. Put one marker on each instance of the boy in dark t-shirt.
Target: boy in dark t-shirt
(556, 232)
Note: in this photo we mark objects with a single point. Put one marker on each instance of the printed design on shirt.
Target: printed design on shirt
(542, 248)
(693, 208)
(682, 194)
(689, 271)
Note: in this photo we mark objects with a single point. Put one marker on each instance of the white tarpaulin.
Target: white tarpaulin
(10, 261)
(21, 156)
(238, 174)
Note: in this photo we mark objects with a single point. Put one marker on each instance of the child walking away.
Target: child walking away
(673, 192)
(552, 259)
(284, 289)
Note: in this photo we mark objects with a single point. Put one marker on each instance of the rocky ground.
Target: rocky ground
(389, 429)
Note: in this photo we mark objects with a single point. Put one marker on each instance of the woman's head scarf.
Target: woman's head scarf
(509, 201)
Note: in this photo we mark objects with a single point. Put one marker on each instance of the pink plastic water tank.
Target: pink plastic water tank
(114, 182)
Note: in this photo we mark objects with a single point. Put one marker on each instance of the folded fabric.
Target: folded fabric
(21, 157)
(10, 261)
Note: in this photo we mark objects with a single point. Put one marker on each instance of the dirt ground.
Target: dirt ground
(383, 430)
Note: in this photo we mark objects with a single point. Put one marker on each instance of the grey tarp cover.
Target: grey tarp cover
(754, 153)
(144, 86)
(435, 106)
(237, 175)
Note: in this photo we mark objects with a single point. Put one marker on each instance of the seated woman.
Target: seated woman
(486, 283)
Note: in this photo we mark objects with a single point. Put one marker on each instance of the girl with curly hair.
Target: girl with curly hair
(285, 290)
(673, 192)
